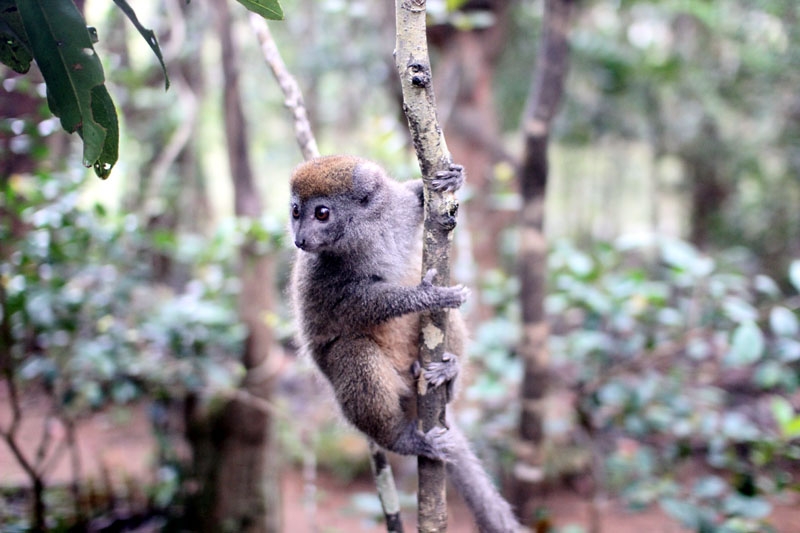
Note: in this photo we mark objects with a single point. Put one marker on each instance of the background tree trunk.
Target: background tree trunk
(466, 69)
(709, 187)
(546, 93)
(235, 446)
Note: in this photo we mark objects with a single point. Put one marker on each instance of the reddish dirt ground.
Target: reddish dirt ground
(121, 440)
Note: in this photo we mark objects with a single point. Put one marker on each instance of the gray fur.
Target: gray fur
(356, 299)
(492, 513)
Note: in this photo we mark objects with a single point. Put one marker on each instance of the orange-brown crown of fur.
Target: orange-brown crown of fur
(324, 176)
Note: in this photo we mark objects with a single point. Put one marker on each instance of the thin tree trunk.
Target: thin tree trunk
(242, 476)
(546, 93)
(8, 430)
(703, 162)
(414, 68)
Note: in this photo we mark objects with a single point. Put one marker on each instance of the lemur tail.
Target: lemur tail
(492, 512)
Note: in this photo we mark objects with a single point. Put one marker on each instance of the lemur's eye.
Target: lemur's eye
(322, 213)
(295, 211)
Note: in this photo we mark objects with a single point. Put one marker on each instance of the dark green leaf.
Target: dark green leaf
(269, 9)
(14, 47)
(63, 49)
(148, 36)
(104, 112)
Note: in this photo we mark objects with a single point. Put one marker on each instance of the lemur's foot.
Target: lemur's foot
(448, 180)
(440, 373)
(440, 444)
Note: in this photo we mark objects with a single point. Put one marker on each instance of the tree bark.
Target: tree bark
(703, 162)
(414, 69)
(546, 92)
(241, 485)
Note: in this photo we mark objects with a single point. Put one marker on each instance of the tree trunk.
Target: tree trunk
(703, 161)
(235, 445)
(546, 93)
(414, 68)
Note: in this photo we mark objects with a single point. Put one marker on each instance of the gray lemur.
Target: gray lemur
(357, 297)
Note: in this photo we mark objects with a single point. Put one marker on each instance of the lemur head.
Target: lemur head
(330, 198)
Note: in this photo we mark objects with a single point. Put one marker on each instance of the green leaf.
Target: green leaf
(794, 274)
(453, 5)
(146, 34)
(684, 512)
(747, 345)
(782, 410)
(580, 263)
(783, 322)
(738, 427)
(14, 46)
(104, 113)
(63, 49)
(769, 374)
(766, 285)
(684, 257)
(709, 487)
(787, 419)
(748, 507)
(269, 9)
(678, 254)
(739, 310)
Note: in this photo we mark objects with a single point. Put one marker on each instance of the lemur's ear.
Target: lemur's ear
(366, 178)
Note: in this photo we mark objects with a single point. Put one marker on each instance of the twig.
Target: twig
(75, 463)
(294, 97)
(177, 142)
(387, 490)
(9, 433)
(44, 442)
(310, 483)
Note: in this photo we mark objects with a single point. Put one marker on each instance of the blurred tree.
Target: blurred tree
(170, 194)
(470, 41)
(23, 105)
(234, 444)
(690, 79)
(547, 89)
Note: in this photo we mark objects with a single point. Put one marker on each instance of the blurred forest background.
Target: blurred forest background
(155, 300)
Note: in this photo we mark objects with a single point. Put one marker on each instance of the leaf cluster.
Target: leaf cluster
(87, 322)
(676, 358)
(55, 35)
